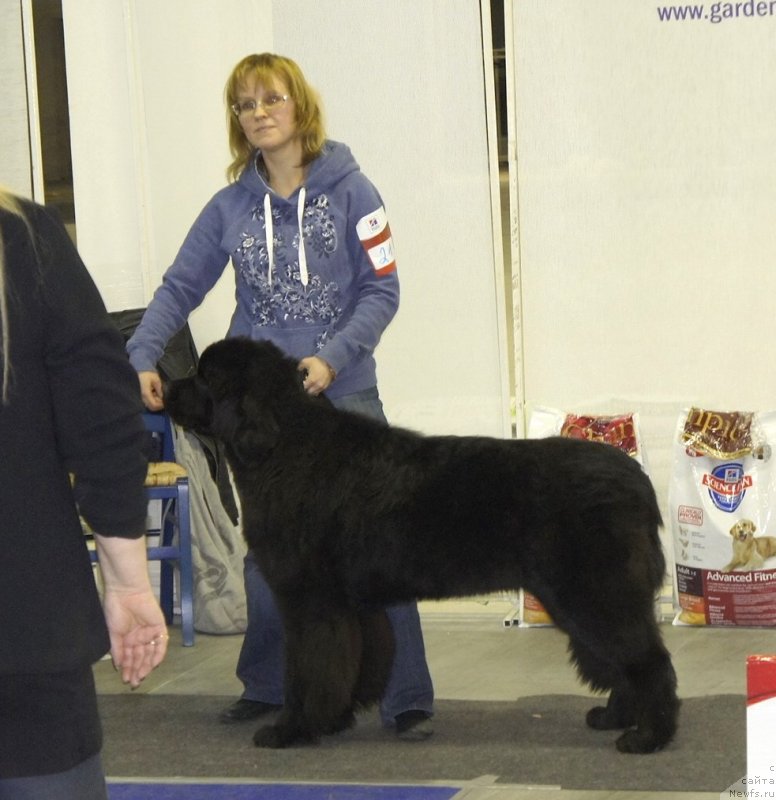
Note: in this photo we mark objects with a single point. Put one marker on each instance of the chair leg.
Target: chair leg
(166, 566)
(185, 563)
(166, 589)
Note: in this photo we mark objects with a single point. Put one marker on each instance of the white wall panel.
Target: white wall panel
(15, 160)
(108, 207)
(647, 189)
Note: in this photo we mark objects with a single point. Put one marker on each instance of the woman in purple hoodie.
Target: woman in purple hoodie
(315, 273)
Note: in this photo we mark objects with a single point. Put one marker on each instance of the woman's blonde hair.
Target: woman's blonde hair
(263, 68)
(10, 204)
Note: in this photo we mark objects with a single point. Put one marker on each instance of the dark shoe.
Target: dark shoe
(244, 710)
(413, 726)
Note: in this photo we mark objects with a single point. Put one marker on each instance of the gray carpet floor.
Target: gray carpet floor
(535, 740)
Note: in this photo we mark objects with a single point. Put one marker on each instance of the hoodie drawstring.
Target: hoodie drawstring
(302, 254)
(269, 234)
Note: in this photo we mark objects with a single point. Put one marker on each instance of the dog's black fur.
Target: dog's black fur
(346, 515)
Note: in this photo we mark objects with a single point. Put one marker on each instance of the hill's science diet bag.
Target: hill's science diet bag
(721, 501)
(621, 431)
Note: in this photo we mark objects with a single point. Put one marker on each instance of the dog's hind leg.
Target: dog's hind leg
(620, 649)
(323, 656)
(636, 666)
(652, 682)
(620, 710)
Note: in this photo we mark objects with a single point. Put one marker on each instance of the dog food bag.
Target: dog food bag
(619, 431)
(721, 501)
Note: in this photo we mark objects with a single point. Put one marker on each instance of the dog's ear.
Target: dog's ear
(245, 427)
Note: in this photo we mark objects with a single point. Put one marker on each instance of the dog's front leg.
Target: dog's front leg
(323, 656)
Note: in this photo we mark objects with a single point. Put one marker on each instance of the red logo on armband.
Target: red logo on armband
(374, 232)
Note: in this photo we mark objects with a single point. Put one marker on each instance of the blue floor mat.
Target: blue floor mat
(273, 791)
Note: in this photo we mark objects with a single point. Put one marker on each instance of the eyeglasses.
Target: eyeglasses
(271, 103)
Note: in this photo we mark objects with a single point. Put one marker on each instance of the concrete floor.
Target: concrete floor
(472, 655)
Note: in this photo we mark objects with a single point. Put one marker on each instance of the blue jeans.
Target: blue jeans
(261, 664)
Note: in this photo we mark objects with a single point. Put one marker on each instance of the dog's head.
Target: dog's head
(234, 395)
(743, 530)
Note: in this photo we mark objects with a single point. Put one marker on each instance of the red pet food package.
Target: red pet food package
(619, 431)
(760, 721)
(721, 501)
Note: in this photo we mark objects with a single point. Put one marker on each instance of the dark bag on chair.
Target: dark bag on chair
(180, 357)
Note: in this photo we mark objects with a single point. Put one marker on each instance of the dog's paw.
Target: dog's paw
(276, 737)
(635, 741)
(347, 720)
(270, 736)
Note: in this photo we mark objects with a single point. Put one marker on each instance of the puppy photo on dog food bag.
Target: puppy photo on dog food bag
(749, 551)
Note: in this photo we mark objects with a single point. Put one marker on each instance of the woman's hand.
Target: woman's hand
(151, 390)
(320, 374)
(138, 632)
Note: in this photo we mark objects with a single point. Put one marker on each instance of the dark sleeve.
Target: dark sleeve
(95, 391)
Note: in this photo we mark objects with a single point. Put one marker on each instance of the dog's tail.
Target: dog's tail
(653, 521)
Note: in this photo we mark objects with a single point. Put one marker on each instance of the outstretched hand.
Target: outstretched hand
(138, 633)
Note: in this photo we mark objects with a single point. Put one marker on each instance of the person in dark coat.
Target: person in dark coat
(72, 442)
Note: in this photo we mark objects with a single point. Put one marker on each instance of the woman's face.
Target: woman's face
(271, 125)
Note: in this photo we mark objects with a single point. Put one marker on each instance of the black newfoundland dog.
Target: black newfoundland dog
(346, 515)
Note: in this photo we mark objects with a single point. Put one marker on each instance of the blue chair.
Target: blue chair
(171, 550)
